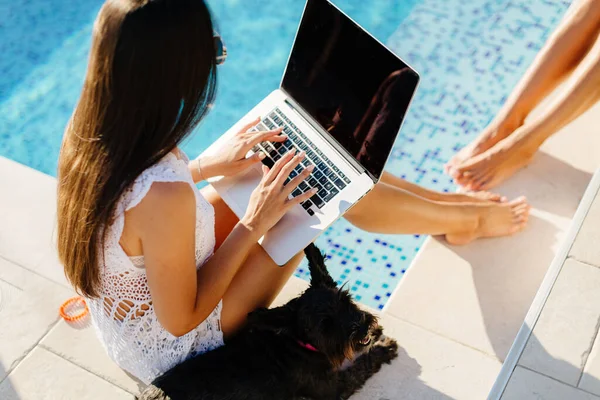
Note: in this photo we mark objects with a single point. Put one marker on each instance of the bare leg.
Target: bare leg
(467, 197)
(560, 55)
(389, 209)
(259, 280)
(514, 152)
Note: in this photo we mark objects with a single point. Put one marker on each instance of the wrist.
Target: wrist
(252, 228)
(203, 168)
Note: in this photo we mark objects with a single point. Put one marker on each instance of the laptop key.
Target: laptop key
(329, 186)
(318, 174)
(339, 183)
(317, 201)
(293, 174)
(329, 196)
(268, 162)
(303, 186)
(310, 212)
(323, 193)
(296, 192)
(346, 179)
(312, 182)
(323, 180)
(307, 204)
(332, 175)
(326, 171)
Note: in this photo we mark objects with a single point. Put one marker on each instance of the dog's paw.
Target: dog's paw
(385, 350)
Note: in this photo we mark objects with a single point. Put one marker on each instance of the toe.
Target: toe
(518, 201)
(462, 179)
(479, 181)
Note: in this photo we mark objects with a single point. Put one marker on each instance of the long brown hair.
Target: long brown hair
(150, 80)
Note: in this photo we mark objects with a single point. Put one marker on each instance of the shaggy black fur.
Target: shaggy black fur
(266, 361)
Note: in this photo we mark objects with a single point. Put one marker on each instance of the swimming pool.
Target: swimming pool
(469, 53)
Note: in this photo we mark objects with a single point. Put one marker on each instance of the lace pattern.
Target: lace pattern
(123, 315)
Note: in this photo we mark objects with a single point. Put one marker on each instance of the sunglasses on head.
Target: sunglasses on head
(220, 49)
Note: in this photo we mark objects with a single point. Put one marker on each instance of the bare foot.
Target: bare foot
(499, 219)
(492, 134)
(495, 165)
(465, 196)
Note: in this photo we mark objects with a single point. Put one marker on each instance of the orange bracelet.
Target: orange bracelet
(71, 302)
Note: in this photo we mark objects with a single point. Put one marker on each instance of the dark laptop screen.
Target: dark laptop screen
(352, 85)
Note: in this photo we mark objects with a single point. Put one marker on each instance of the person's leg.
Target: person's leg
(560, 55)
(258, 281)
(467, 197)
(391, 210)
(514, 152)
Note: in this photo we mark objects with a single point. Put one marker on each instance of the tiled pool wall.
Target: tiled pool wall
(469, 55)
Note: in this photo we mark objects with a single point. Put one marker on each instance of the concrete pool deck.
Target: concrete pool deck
(455, 313)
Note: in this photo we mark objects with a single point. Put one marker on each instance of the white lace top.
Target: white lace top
(123, 315)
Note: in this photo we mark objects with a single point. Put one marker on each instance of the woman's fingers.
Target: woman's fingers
(300, 198)
(249, 125)
(253, 159)
(271, 136)
(293, 184)
(265, 170)
(287, 169)
(274, 172)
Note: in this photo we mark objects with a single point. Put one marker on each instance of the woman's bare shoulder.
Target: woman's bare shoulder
(165, 204)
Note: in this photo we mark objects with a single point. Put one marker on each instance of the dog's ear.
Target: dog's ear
(279, 319)
(319, 276)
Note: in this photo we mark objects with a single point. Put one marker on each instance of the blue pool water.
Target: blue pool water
(469, 53)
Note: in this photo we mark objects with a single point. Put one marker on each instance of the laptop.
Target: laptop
(342, 101)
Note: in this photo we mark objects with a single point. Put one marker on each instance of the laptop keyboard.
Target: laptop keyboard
(326, 177)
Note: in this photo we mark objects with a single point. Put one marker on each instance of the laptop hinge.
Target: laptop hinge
(325, 135)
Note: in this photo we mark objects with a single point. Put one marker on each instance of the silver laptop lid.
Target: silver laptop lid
(350, 83)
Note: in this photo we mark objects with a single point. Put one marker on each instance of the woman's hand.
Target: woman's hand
(231, 159)
(269, 201)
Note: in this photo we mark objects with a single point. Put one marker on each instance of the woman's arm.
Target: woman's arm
(165, 222)
(206, 167)
(182, 296)
(232, 159)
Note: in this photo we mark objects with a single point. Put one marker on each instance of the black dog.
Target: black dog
(287, 353)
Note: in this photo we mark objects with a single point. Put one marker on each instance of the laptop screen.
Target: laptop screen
(352, 85)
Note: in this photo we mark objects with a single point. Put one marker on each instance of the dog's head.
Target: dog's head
(323, 317)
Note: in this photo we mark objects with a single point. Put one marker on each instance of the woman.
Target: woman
(510, 142)
(169, 271)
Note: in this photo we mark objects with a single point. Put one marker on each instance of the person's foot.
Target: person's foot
(493, 220)
(465, 196)
(496, 131)
(495, 165)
